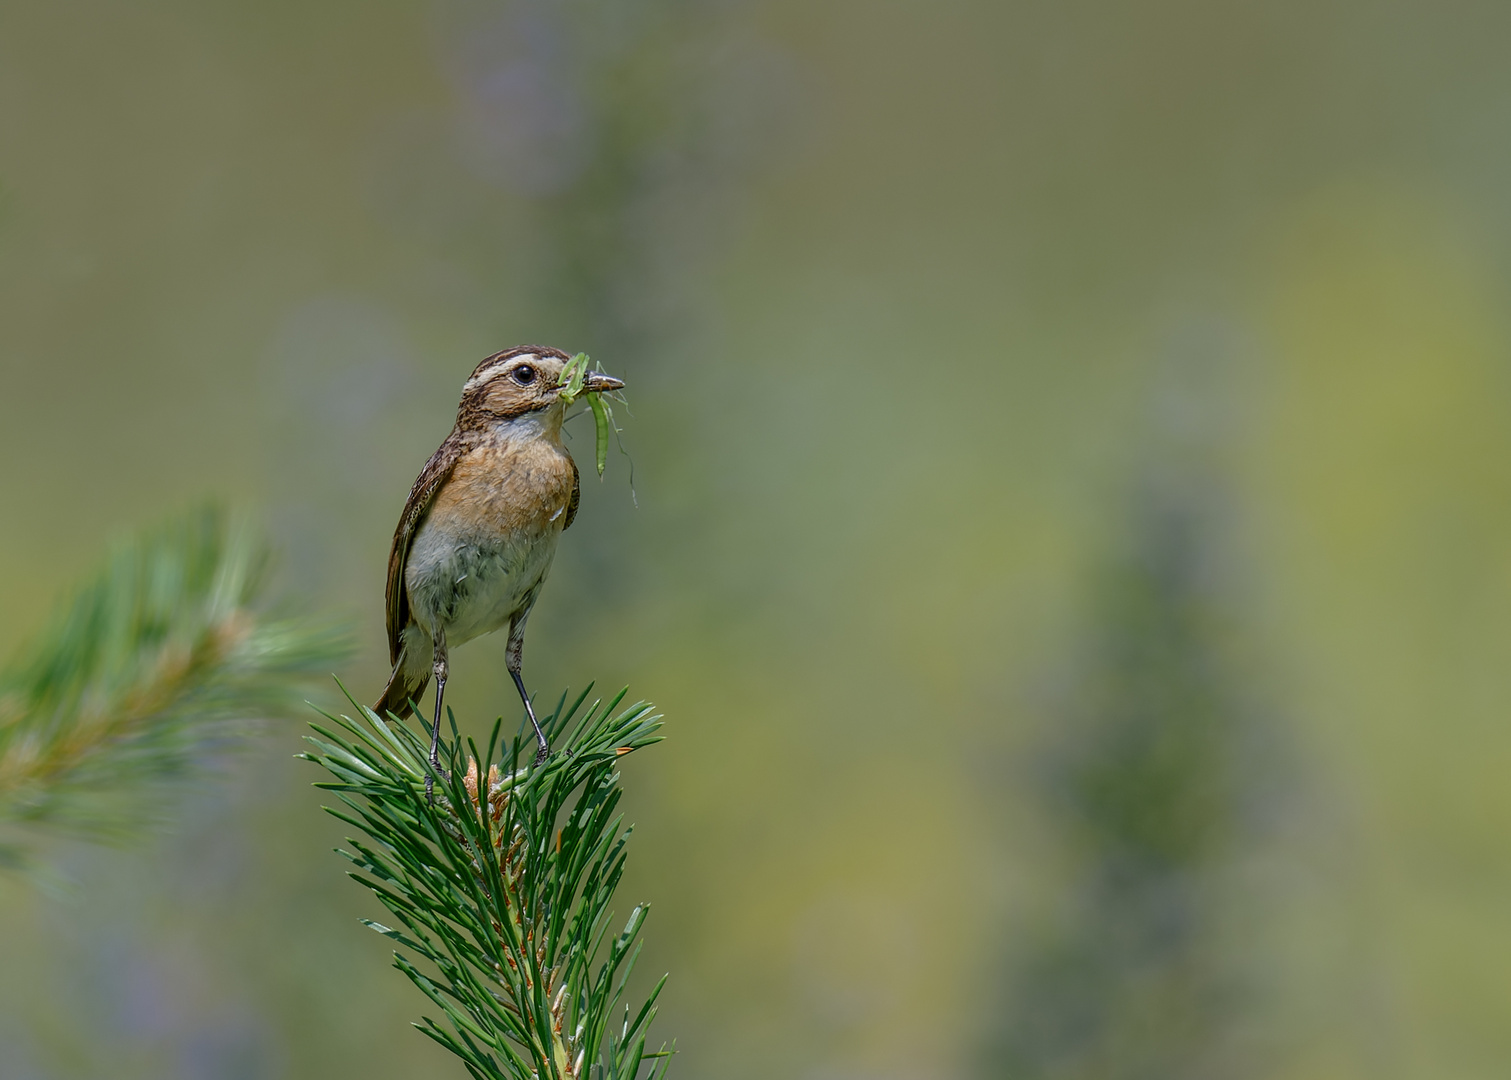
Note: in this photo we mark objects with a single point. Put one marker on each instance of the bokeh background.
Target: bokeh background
(1072, 443)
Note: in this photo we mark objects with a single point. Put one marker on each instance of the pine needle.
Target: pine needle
(501, 887)
(155, 664)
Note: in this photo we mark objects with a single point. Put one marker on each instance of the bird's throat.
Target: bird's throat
(528, 427)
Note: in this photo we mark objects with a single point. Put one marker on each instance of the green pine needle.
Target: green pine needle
(155, 664)
(504, 893)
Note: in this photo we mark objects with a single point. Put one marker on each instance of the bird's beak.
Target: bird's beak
(596, 382)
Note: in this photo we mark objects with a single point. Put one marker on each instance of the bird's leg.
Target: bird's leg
(515, 660)
(441, 670)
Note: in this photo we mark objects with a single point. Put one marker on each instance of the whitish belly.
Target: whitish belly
(473, 588)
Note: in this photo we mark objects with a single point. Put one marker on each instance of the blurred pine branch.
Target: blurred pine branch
(504, 892)
(157, 662)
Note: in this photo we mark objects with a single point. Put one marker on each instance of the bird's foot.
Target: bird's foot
(542, 755)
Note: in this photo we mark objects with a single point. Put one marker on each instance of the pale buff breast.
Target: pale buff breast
(482, 552)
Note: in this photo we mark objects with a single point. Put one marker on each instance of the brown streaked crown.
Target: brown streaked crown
(511, 383)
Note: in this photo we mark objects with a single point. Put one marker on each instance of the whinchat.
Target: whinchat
(479, 530)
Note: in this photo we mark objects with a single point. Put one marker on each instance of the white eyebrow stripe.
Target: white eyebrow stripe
(495, 367)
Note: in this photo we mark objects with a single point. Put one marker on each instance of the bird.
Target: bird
(479, 530)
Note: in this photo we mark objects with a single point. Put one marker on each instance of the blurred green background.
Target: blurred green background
(1074, 477)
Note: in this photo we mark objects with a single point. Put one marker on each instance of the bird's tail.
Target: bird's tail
(405, 685)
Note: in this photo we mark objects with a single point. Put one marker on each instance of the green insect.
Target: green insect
(572, 376)
(571, 379)
(601, 426)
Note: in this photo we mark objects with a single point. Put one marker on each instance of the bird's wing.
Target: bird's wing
(431, 477)
(576, 496)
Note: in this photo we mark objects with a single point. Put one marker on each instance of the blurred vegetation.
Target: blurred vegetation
(155, 667)
(889, 285)
(1151, 784)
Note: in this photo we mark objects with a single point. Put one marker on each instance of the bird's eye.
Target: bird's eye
(524, 374)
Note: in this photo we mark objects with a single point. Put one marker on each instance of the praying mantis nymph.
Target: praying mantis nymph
(571, 380)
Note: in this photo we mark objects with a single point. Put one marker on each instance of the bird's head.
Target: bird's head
(520, 383)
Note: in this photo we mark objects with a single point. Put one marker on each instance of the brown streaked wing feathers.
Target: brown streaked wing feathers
(421, 495)
(576, 495)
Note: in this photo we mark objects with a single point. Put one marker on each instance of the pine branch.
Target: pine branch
(156, 663)
(502, 886)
